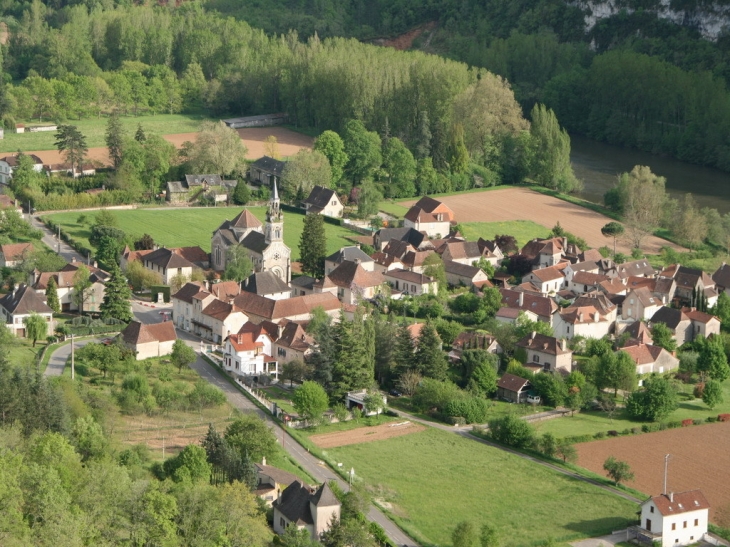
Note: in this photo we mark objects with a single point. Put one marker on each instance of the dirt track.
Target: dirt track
(700, 458)
(365, 434)
(522, 204)
(289, 144)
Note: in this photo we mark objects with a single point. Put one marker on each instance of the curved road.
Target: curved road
(59, 358)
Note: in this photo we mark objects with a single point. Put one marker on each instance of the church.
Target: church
(264, 243)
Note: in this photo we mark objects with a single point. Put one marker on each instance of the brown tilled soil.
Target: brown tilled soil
(700, 459)
(523, 204)
(405, 40)
(289, 144)
(365, 434)
(174, 435)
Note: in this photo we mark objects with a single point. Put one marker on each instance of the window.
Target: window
(697, 522)
(685, 524)
(282, 522)
(651, 509)
(674, 526)
(536, 358)
(281, 352)
(413, 289)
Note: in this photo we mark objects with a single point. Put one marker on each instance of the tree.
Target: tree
(182, 355)
(712, 361)
(614, 230)
(458, 153)
(617, 470)
(489, 536)
(117, 295)
(144, 243)
(115, 139)
(36, 327)
(566, 451)
(484, 375)
(297, 537)
(399, 169)
(330, 144)
(191, 464)
(310, 401)
(105, 218)
(89, 438)
(433, 266)
(238, 264)
(313, 246)
(305, 170)
(250, 435)
(271, 147)
(368, 199)
(72, 144)
(512, 431)
(465, 535)
(552, 151)
(140, 135)
(430, 358)
(616, 371)
(81, 284)
(663, 337)
(294, 371)
(52, 295)
(654, 402)
(643, 197)
(423, 137)
(409, 381)
(108, 251)
(242, 193)
(363, 149)
(691, 226)
(712, 394)
(218, 149)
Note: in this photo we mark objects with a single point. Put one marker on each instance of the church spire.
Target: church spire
(274, 212)
(274, 221)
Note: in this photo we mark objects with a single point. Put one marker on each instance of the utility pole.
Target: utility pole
(666, 467)
(73, 371)
(59, 239)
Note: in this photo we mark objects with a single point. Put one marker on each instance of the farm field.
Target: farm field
(433, 479)
(700, 456)
(195, 226)
(366, 434)
(522, 204)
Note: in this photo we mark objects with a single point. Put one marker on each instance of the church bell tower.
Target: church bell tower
(274, 219)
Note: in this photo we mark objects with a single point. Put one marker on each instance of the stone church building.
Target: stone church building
(264, 243)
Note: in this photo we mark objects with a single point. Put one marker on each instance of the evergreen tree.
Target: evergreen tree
(72, 144)
(52, 295)
(404, 350)
(313, 246)
(117, 295)
(430, 359)
(353, 367)
(386, 330)
(140, 135)
(115, 139)
(241, 194)
(423, 137)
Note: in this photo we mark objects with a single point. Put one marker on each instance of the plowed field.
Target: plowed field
(524, 204)
(700, 458)
(365, 434)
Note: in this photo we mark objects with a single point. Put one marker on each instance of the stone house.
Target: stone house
(306, 508)
(9, 163)
(200, 312)
(473, 340)
(458, 274)
(264, 171)
(324, 201)
(547, 280)
(635, 268)
(543, 307)
(410, 283)
(267, 284)
(691, 282)
(13, 255)
(586, 321)
(298, 308)
(466, 252)
(703, 324)
(271, 482)
(65, 286)
(409, 236)
(544, 253)
(651, 359)
(168, 264)
(674, 519)
(353, 282)
(21, 303)
(351, 253)
(583, 282)
(677, 322)
(430, 216)
(721, 277)
(640, 304)
(292, 342)
(547, 352)
(148, 341)
(513, 388)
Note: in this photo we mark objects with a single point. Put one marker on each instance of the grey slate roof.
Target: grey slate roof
(198, 180)
(304, 281)
(263, 283)
(168, 259)
(24, 301)
(409, 235)
(320, 197)
(462, 270)
(255, 241)
(671, 317)
(351, 253)
(270, 165)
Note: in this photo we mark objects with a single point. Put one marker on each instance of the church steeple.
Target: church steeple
(274, 221)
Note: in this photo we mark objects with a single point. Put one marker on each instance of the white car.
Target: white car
(533, 399)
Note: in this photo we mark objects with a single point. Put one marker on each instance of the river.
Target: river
(598, 164)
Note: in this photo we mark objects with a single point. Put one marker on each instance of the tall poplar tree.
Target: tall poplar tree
(115, 139)
(117, 295)
(551, 165)
(52, 295)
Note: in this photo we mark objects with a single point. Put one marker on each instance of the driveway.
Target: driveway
(58, 359)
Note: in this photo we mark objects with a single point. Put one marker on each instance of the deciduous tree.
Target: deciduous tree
(310, 401)
(218, 149)
(330, 144)
(712, 394)
(82, 285)
(182, 355)
(617, 470)
(305, 170)
(36, 327)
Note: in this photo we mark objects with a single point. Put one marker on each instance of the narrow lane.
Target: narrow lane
(58, 359)
(50, 239)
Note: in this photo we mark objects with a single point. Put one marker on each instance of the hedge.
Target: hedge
(157, 289)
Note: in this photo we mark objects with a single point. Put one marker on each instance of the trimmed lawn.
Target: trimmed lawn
(23, 354)
(195, 226)
(434, 479)
(393, 208)
(590, 423)
(522, 230)
(94, 129)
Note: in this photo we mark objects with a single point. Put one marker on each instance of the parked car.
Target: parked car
(395, 393)
(534, 399)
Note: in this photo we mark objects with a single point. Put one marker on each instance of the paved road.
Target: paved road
(50, 239)
(58, 359)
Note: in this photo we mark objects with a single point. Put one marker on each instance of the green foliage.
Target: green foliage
(617, 470)
(712, 361)
(250, 436)
(115, 139)
(663, 337)
(512, 431)
(363, 151)
(330, 144)
(36, 327)
(552, 151)
(435, 394)
(474, 409)
(117, 296)
(465, 535)
(182, 355)
(189, 465)
(303, 171)
(551, 388)
(430, 360)
(72, 144)
(655, 401)
(712, 394)
(241, 194)
(310, 401)
(313, 246)
(238, 264)
(52, 295)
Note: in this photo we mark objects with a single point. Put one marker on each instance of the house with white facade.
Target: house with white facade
(410, 283)
(267, 284)
(93, 297)
(9, 163)
(547, 352)
(248, 353)
(168, 264)
(198, 311)
(651, 359)
(351, 253)
(147, 341)
(324, 201)
(547, 280)
(430, 216)
(674, 519)
(21, 303)
(640, 303)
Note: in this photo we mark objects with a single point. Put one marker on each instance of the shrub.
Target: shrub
(473, 409)
(711, 419)
(723, 418)
(205, 395)
(697, 421)
(636, 430)
(456, 420)
(699, 390)
(688, 422)
(512, 431)
(599, 435)
(674, 424)
(613, 433)
(626, 431)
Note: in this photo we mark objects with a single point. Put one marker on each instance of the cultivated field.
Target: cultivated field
(195, 226)
(289, 144)
(433, 479)
(365, 434)
(700, 458)
(523, 204)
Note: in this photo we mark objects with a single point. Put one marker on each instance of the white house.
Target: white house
(9, 163)
(64, 279)
(306, 508)
(674, 519)
(148, 341)
(323, 201)
(548, 280)
(640, 303)
(196, 310)
(430, 216)
(19, 304)
(248, 353)
(412, 283)
(168, 264)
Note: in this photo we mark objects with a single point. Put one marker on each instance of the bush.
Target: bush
(636, 430)
(613, 433)
(723, 417)
(599, 435)
(697, 422)
(205, 395)
(472, 409)
(512, 431)
(626, 431)
(688, 422)
(711, 419)
(456, 420)
(674, 424)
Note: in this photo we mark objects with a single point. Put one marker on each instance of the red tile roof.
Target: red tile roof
(681, 502)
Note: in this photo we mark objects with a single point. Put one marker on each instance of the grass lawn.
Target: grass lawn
(433, 479)
(392, 208)
(522, 230)
(94, 129)
(195, 226)
(590, 423)
(23, 354)
(327, 427)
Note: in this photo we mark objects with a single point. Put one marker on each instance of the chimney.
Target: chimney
(240, 338)
(671, 497)
(263, 460)
(532, 335)
(563, 344)
(565, 243)
(521, 299)
(73, 259)
(595, 317)
(279, 330)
